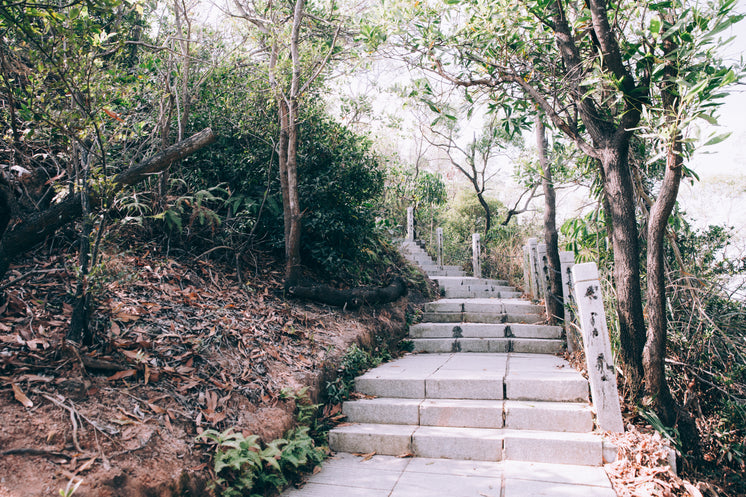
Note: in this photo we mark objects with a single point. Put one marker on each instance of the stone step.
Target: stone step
(447, 281)
(518, 415)
(523, 345)
(491, 376)
(475, 292)
(481, 317)
(484, 330)
(441, 272)
(483, 310)
(484, 305)
(435, 267)
(469, 443)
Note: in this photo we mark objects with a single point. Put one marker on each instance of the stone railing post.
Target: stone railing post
(599, 361)
(410, 224)
(567, 261)
(439, 236)
(541, 269)
(543, 276)
(527, 272)
(476, 260)
(532, 267)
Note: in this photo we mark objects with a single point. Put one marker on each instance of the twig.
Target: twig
(34, 452)
(62, 405)
(26, 275)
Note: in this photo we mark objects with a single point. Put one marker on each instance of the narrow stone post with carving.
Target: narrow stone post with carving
(476, 250)
(532, 267)
(410, 224)
(599, 361)
(543, 275)
(567, 261)
(526, 272)
(439, 235)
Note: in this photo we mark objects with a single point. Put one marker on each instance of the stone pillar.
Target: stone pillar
(532, 267)
(439, 236)
(476, 251)
(599, 361)
(526, 271)
(567, 261)
(410, 224)
(542, 268)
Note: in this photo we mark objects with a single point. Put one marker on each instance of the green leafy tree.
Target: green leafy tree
(597, 73)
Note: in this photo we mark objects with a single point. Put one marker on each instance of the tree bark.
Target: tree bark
(34, 229)
(555, 299)
(654, 353)
(619, 193)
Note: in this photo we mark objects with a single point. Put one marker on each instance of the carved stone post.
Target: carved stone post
(527, 272)
(410, 224)
(600, 362)
(476, 250)
(542, 275)
(532, 267)
(567, 261)
(439, 235)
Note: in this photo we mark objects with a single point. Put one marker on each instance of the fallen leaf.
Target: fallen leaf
(122, 374)
(20, 396)
(405, 455)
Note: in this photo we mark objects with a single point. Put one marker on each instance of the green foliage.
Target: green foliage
(340, 179)
(355, 362)
(244, 467)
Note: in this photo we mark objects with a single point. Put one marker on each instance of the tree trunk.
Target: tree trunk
(487, 212)
(654, 353)
(292, 243)
(619, 193)
(555, 300)
(34, 229)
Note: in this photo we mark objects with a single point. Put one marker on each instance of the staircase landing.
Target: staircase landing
(347, 475)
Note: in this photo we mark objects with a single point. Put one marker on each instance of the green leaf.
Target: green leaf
(717, 139)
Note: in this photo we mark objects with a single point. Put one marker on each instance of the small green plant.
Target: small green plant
(406, 345)
(670, 434)
(244, 468)
(354, 362)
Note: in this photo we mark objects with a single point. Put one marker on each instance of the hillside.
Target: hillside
(186, 349)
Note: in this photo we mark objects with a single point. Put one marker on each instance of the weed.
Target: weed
(354, 362)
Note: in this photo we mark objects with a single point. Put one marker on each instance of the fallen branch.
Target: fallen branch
(34, 229)
(34, 452)
(352, 298)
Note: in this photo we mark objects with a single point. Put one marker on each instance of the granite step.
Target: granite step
(459, 413)
(483, 444)
(484, 330)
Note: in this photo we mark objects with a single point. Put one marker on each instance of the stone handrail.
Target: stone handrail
(580, 284)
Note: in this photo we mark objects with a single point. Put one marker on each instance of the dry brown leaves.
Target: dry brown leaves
(642, 468)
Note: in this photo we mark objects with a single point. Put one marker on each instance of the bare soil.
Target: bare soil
(183, 347)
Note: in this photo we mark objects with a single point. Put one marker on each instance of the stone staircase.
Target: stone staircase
(484, 384)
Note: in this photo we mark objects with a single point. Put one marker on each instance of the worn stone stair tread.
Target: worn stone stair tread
(488, 344)
(469, 280)
(484, 305)
(484, 330)
(469, 443)
(477, 293)
(482, 317)
(476, 413)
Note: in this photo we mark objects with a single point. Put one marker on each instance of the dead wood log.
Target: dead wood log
(25, 234)
(352, 298)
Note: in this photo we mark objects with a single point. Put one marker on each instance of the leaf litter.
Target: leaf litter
(185, 349)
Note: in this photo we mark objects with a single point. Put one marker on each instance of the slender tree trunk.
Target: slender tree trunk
(619, 193)
(654, 353)
(487, 212)
(292, 268)
(555, 300)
